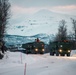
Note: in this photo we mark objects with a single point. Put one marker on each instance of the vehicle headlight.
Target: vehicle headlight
(69, 51)
(42, 49)
(60, 50)
(36, 49)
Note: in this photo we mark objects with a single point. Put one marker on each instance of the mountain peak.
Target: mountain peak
(44, 12)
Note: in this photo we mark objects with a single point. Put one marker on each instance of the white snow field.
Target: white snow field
(43, 21)
(14, 64)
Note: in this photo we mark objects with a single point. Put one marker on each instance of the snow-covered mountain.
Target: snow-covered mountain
(18, 40)
(42, 24)
(43, 21)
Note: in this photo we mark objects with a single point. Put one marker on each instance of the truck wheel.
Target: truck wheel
(68, 54)
(57, 54)
(27, 52)
(35, 52)
(41, 53)
(51, 53)
(62, 54)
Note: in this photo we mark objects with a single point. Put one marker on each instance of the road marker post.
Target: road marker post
(25, 69)
(21, 57)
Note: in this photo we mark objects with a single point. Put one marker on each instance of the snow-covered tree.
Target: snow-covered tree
(4, 16)
(74, 27)
(62, 31)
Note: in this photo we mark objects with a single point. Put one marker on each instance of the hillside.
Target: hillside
(43, 21)
(16, 39)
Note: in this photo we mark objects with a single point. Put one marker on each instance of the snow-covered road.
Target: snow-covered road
(37, 65)
(50, 65)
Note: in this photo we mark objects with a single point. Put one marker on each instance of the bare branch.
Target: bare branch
(74, 26)
(62, 31)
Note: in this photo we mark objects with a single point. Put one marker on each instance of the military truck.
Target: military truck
(60, 48)
(34, 47)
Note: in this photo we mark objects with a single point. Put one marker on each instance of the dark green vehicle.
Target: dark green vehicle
(34, 47)
(60, 48)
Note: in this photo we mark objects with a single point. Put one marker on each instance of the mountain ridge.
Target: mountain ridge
(36, 24)
(14, 39)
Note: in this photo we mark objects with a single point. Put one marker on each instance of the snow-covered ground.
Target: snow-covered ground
(14, 64)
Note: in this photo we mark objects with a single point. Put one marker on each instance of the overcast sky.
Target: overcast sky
(19, 8)
(32, 6)
(42, 3)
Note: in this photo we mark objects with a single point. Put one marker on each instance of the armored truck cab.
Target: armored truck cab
(34, 47)
(61, 48)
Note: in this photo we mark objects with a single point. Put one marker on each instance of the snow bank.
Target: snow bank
(37, 64)
(13, 59)
(73, 53)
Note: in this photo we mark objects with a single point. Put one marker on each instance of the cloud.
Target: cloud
(19, 7)
(18, 10)
(22, 10)
(70, 9)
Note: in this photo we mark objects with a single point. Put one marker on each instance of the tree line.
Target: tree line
(62, 31)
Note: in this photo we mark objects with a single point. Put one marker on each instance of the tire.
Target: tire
(52, 53)
(62, 54)
(57, 53)
(35, 53)
(27, 52)
(68, 54)
(41, 53)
